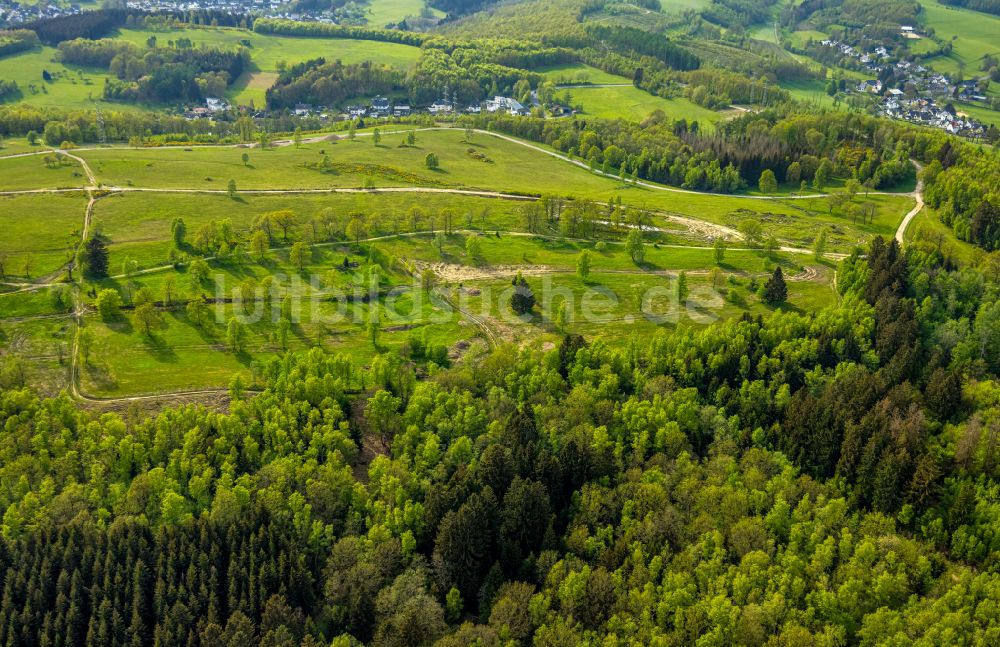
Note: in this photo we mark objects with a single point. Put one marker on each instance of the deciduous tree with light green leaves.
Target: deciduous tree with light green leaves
(635, 247)
(147, 318)
(300, 255)
(236, 335)
(473, 248)
(583, 265)
(819, 245)
(768, 183)
(109, 303)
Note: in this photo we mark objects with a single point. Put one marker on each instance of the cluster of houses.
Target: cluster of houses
(382, 108)
(16, 13)
(926, 111)
(269, 8)
(912, 92)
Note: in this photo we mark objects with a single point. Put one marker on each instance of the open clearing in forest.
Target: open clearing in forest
(144, 190)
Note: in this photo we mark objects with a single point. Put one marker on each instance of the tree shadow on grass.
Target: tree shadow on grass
(120, 324)
(786, 307)
(829, 263)
(649, 266)
(100, 374)
(158, 347)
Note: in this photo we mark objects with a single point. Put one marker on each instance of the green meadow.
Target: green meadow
(973, 34)
(39, 232)
(629, 102)
(71, 87)
(46, 170)
(44, 228)
(384, 12)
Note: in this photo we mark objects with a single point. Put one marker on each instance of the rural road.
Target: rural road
(918, 195)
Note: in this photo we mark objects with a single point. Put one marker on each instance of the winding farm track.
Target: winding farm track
(918, 195)
(95, 190)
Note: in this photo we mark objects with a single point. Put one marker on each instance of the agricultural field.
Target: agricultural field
(973, 35)
(145, 190)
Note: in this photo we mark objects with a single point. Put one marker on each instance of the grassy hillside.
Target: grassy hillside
(384, 12)
(628, 102)
(71, 87)
(973, 34)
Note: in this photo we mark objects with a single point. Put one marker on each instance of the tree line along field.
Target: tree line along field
(468, 304)
(75, 86)
(483, 163)
(620, 100)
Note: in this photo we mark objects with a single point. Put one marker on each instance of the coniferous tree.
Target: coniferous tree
(522, 301)
(775, 290)
(96, 256)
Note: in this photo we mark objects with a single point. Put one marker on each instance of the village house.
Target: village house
(380, 107)
(441, 107)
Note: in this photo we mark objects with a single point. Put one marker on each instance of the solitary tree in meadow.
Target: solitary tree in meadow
(355, 229)
(819, 246)
(96, 256)
(523, 300)
(231, 188)
(775, 290)
(682, 287)
(178, 230)
(635, 247)
(583, 265)
(473, 248)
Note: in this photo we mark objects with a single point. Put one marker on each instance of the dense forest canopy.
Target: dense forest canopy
(734, 482)
(824, 473)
